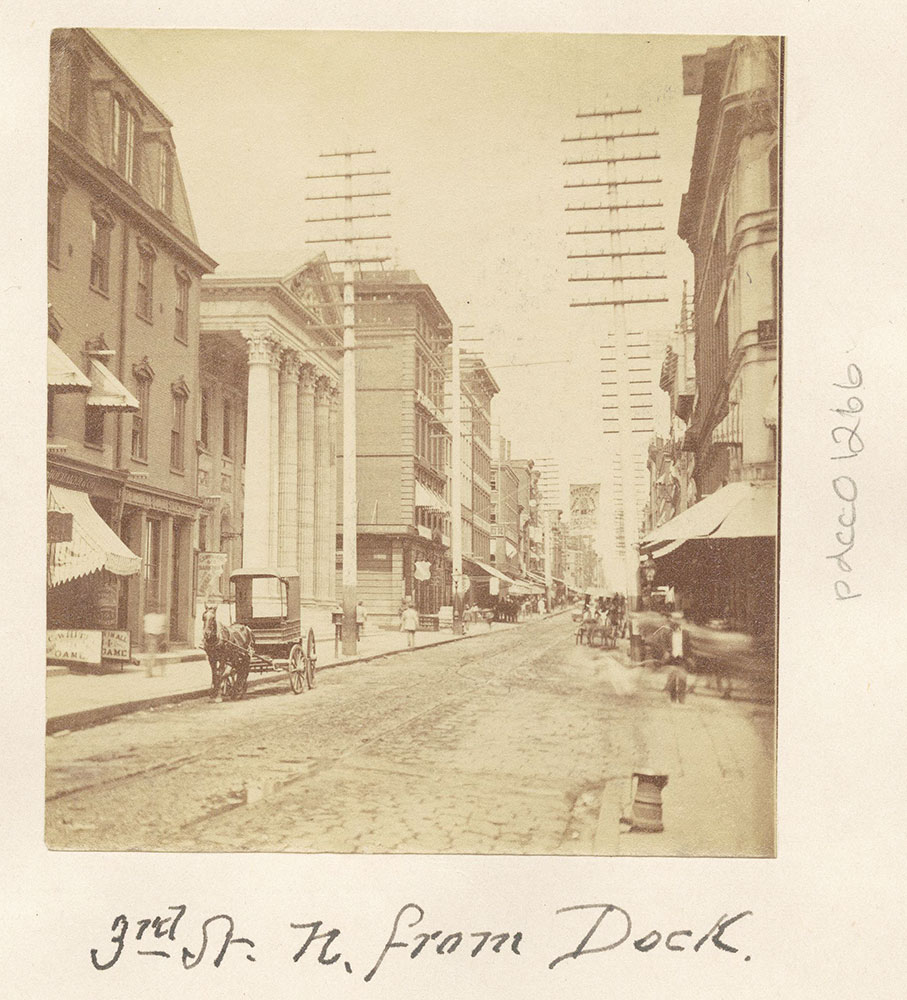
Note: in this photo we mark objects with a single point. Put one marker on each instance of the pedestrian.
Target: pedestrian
(155, 624)
(361, 616)
(409, 622)
(676, 684)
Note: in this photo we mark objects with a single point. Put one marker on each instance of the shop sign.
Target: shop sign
(74, 645)
(211, 567)
(115, 644)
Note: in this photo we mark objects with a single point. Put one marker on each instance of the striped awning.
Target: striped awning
(94, 545)
(63, 374)
(108, 392)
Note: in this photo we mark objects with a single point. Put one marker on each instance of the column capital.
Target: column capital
(290, 365)
(262, 347)
(307, 377)
(325, 388)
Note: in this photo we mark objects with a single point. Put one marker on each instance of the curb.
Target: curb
(86, 718)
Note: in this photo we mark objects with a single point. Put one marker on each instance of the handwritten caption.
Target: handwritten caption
(849, 445)
(595, 928)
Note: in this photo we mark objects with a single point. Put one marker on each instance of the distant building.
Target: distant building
(505, 513)
(403, 445)
(124, 273)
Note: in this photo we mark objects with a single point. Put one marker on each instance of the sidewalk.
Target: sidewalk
(76, 701)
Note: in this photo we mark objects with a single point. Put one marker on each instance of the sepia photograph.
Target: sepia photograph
(413, 442)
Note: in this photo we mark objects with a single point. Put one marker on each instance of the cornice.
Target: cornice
(108, 186)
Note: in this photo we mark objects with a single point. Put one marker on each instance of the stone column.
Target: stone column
(257, 490)
(333, 428)
(325, 518)
(306, 481)
(274, 399)
(288, 489)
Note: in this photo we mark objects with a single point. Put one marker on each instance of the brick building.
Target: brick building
(124, 271)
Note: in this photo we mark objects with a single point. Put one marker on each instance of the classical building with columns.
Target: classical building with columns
(269, 422)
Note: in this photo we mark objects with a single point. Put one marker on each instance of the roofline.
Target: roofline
(414, 288)
(118, 66)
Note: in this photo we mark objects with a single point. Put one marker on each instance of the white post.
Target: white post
(456, 508)
(349, 429)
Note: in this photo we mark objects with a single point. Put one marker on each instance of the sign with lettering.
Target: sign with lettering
(73, 645)
(116, 644)
(584, 507)
(210, 570)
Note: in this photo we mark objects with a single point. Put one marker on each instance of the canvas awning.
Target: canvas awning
(738, 510)
(491, 571)
(424, 497)
(521, 588)
(108, 392)
(94, 545)
(63, 374)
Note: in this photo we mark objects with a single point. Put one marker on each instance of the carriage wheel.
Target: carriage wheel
(296, 670)
(310, 659)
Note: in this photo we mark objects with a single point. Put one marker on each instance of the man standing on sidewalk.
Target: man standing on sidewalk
(677, 675)
(409, 622)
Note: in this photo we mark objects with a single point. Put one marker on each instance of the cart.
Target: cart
(267, 602)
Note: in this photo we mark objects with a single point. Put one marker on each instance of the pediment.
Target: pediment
(314, 284)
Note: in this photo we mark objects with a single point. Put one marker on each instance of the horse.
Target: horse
(229, 649)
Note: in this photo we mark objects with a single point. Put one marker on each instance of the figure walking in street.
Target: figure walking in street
(676, 684)
(409, 622)
(360, 619)
(155, 624)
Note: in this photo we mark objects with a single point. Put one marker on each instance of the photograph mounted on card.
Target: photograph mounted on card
(424, 498)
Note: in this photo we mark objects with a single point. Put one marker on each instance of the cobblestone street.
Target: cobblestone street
(516, 742)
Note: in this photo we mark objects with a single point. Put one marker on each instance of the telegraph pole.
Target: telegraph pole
(623, 414)
(349, 631)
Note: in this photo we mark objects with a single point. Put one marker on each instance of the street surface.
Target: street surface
(515, 742)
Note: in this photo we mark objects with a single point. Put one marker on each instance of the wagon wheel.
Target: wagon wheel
(296, 670)
(310, 659)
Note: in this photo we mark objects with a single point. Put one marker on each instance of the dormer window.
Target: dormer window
(125, 140)
(165, 180)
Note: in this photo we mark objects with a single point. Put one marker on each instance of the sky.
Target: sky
(470, 127)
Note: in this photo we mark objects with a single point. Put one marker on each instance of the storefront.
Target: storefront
(86, 564)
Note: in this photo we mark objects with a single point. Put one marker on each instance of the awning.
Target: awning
(491, 571)
(521, 588)
(94, 544)
(107, 392)
(428, 498)
(63, 374)
(738, 510)
(770, 414)
(670, 547)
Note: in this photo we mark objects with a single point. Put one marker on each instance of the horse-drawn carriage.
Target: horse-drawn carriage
(264, 634)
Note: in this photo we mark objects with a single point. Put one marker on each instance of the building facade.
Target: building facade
(403, 446)
(505, 513)
(124, 275)
(724, 566)
(268, 426)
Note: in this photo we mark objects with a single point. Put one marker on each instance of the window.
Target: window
(151, 562)
(145, 290)
(143, 376)
(101, 226)
(165, 180)
(94, 427)
(178, 427)
(125, 137)
(78, 97)
(204, 419)
(54, 220)
(181, 309)
(227, 448)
